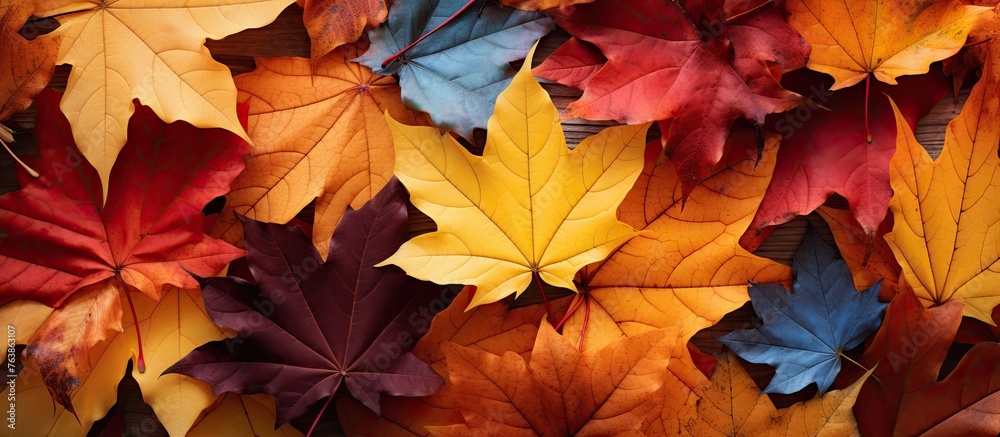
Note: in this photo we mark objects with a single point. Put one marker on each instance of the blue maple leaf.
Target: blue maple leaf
(804, 333)
(456, 74)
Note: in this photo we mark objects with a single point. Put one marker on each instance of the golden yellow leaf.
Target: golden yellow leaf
(25, 316)
(242, 415)
(946, 236)
(318, 134)
(731, 405)
(171, 328)
(152, 50)
(854, 38)
(39, 415)
(528, 206)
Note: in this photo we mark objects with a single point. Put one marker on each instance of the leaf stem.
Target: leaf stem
(842, 355)
(321, 411)
(973, 44)
(33, 19)
(573, 306)
(141, 362)
(868, 86)
(541, 289)
(586, 318)
(395, 56)
(5, 132)
(751, 11)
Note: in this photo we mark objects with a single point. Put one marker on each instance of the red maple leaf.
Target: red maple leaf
(65, 250)
(702, 67)
(825, 151)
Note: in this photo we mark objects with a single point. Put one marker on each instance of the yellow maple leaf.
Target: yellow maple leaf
(945, 235)
(528, 207)
(171, 328)
(854, 38)
(152, 50)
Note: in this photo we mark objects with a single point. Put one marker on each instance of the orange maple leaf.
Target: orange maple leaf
(319, 132)
(561, 391)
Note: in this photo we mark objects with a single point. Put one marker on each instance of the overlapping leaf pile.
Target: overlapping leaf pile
(588, 269)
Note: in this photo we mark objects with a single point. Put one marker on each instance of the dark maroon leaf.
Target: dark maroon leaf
(306, 326)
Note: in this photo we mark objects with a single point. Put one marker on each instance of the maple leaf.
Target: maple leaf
(25, 66)
(909, 399)
(561, 391)
(686, 266)
(869, 257)
(152, 51)
(528, 207)
(661, 65)
(319, 133)
(170, 329)
(332, 23)
(495, 328)
(941, 236)
(573, 64)
(822, 151)
(457, 73)
(884, 39)
(804, 334)
(94, 396)
(310, 326)
(732, 405)
(143, 239)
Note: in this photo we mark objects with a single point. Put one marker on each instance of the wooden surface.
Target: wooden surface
(287, 37)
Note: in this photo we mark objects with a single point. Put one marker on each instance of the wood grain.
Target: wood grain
(287, 37)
